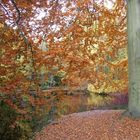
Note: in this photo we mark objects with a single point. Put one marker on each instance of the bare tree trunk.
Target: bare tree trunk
(134, 56)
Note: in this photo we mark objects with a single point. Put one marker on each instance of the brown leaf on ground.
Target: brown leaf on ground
(92, 125)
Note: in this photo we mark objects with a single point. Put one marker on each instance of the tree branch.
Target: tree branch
(18, 11)
(4, 9)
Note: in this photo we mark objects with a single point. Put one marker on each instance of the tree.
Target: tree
(82, 38)
(134, 56)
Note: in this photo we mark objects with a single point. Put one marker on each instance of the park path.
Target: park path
(92, 125)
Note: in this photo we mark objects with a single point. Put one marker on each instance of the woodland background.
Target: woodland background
(58, 57)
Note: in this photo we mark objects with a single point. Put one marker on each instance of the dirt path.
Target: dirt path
(92, 125)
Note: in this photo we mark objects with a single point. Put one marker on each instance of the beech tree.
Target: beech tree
(134, 56)
(84, 39)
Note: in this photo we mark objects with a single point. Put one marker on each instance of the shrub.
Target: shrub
(10, 127)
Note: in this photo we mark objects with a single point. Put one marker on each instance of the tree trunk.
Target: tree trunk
(134, 56)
